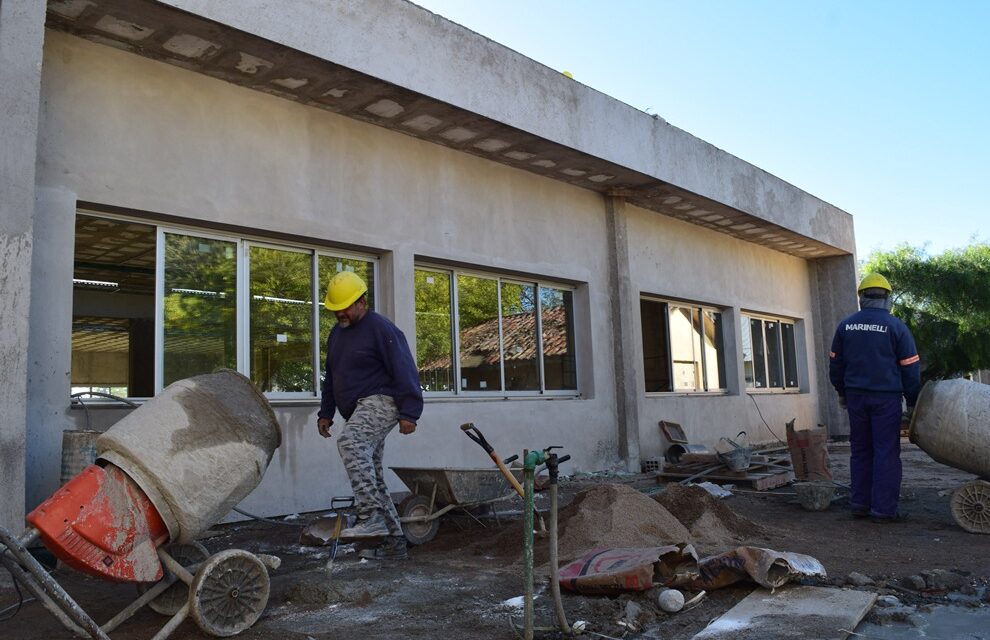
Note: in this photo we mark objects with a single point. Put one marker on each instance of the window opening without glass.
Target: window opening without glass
(478, 333)
(682, 347)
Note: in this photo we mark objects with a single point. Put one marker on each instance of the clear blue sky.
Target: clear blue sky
(878, 107)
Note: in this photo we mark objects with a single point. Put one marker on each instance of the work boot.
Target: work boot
(394, 548)
(372, 527)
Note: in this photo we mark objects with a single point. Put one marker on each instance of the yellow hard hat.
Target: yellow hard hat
(874, 281)
(344, 290)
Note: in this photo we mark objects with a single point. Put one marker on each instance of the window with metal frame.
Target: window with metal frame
(479, 333)
(769, 352)
(199, 301)
(682, 347)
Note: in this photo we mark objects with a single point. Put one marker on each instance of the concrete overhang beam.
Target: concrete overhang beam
(197, 40)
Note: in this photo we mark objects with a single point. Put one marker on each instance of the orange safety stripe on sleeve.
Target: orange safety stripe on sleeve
(908, 361)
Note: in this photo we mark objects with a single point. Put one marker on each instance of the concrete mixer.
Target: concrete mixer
(951, 423)
(164, 474)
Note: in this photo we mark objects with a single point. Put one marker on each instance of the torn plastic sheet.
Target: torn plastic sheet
(605, 571)
(765, 567)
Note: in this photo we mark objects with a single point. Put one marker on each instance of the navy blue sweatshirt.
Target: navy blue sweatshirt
(874, 352)
(370, 357)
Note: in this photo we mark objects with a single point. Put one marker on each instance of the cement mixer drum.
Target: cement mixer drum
(197, 449)
(951, 423)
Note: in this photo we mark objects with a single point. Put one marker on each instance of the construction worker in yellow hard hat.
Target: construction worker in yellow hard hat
(873, 363)
(372, 380)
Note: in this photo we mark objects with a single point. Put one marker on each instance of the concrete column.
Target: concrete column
(735, 382)
(49, 339)
(625, 351)
(397, 298)
(22, 25)
(833, 284)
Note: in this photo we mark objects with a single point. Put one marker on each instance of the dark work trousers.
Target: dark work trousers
(875, 460)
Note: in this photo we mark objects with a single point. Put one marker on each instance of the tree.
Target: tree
(945, 301)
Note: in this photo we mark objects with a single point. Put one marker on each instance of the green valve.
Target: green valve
(534, 458)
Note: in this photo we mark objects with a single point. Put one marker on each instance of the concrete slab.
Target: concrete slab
(812, 613)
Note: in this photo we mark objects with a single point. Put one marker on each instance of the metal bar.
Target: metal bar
(31, 584)
(144, 599)
(173, 624)
(175, 568)
(45, 582)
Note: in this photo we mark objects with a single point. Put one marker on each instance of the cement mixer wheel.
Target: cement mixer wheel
(229, 593)
(171, 600)
(971, 506)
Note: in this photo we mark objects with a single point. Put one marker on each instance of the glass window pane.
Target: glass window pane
(559, 365)
(200, 323)
(747, 353)
(328, 267)
(714, 352)
(759, 354)
(685, 347)
(113, 308)
(478, 332)
(774, 357)
(656, 359)
(790, 356)
(519, 337)
(281, 319)
(434, 340)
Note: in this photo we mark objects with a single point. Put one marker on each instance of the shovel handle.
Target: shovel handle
(475, 434)
(472, 432)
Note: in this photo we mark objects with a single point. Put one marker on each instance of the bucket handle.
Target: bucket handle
(739, 436)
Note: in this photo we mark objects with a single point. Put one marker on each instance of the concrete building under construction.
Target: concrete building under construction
(180, 179)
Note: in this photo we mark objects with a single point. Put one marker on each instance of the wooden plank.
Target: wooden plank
(773, 481)
(792, 613)
(759, 481)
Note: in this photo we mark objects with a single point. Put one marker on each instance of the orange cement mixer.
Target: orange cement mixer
(164, 473)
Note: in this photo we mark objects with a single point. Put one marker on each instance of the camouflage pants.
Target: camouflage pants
(361, 445)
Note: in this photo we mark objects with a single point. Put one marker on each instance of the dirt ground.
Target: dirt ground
(468, 581)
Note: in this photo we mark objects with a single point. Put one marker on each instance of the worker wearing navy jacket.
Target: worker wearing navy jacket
(872, 364)
(371, 378)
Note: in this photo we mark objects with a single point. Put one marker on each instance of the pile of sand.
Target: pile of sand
(615, 516)
(713, 525)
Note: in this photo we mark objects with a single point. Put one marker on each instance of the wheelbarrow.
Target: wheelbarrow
(163, 474)
(437, 491)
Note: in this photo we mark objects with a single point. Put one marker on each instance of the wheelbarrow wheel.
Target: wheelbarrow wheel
(971, 506)
(229, 592)
(171, 600)
(422, 531)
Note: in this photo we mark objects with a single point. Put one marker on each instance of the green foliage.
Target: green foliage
(945, 301)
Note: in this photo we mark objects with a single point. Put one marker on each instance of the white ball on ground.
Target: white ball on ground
(671, 600)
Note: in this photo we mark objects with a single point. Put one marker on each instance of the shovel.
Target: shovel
(347, 503)
(472, 432)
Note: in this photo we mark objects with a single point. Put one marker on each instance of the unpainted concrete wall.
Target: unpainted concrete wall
(122, 130)
(21, 36)
(673, 259)
(402, 43)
